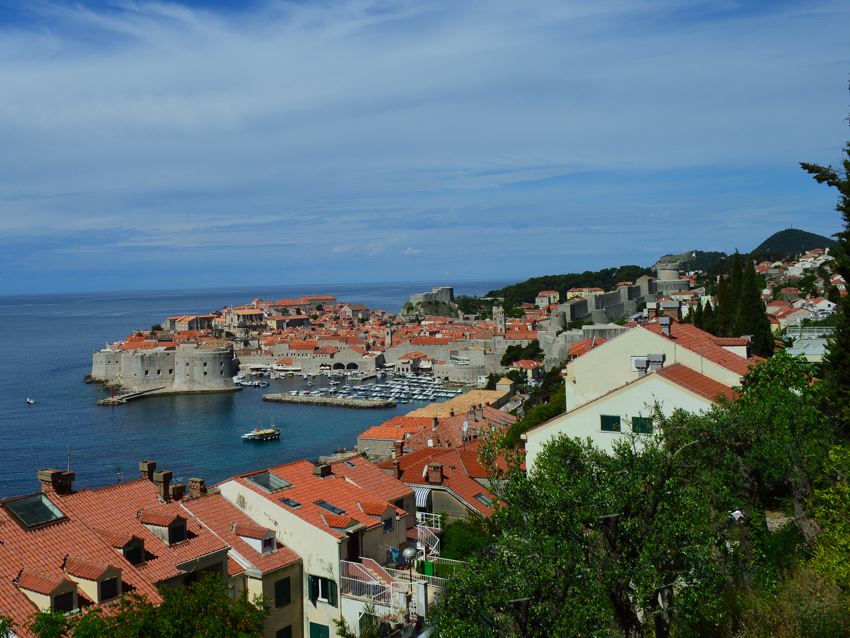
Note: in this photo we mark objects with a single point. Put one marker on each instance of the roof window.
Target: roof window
(35, 510)
(333, 509)
(291, 503)
(268, 481)
(348, 463)
(483, 499)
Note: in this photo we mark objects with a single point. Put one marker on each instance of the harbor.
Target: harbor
(328, 400)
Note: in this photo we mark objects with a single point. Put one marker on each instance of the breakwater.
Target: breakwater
(333, 401)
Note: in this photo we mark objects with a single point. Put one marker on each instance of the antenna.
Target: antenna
(118, 470)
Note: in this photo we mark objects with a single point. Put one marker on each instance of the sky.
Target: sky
(148, 145)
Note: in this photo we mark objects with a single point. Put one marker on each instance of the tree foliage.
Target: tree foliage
(606, 279)
(202, 609)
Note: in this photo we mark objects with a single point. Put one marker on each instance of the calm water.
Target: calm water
(46, 343)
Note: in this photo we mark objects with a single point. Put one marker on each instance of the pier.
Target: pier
(121, 399)
(333, 401)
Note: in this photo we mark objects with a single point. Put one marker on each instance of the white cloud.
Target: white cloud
(411, 251)
(299, 126)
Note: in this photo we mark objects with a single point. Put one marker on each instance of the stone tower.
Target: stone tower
(388, 337)
(499, 318)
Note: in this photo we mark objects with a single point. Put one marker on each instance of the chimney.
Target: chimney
(197, 486)
(397, 469)
(162, 480)
(451, 411)
(470, 416)
(665, 322)
(674, 311)
(479, 412)
(56, 481)
(398, 449)
(177, 491)
(435, 473)
(652, 310)
(321, 470)
(434, 423)
(147, 468)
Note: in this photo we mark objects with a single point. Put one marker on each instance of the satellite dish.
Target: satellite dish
(424, 470)
(465, 426)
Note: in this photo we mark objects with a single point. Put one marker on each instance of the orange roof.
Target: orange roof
(84, 569)
(38, 582)
(696, 382)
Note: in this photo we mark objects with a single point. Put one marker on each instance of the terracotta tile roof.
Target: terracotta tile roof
(40, 583)
(585, 345)
(521, 335)
(396, 428)
(118, 541)
(696, 382)
(730, 341)
(371, 478)
(338, 522)
(215, 513)
(373, 509)
(249, 531)
(160, 519)
(84, 569)
(307, 489)
(687, 336)
(120, 508)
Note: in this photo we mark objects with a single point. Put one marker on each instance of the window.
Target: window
(483, 499)
(64, 602)
(268, 481)
(146, 373)
(322, 589)
(609, 423)
(333, 509)
(388, 525)
(35, 510)
(348, 463)
(642, 425)
(286, 632)
(268, 544)
(134, 554)
(291, 503)
(171, 371)
(158, 372)
(177, 534)
(109, 589)
(282, 593)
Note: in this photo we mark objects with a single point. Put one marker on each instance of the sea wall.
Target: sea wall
(333, 401)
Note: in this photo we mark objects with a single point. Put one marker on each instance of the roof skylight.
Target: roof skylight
(349, 464)
(290, 503)
(483, 499)
(35, 510)
(333, 509)
(268, 481)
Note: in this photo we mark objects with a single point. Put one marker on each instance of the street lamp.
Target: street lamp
(409, 554)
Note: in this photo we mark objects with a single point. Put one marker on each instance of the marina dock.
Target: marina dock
(333, 401)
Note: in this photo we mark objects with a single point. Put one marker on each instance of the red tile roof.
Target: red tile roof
(696, 382)
(160, 519)
(687, 336)
(249, 531)
(371, 478)
(84, 569)
(40, 583)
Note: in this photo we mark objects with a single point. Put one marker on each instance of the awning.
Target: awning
(422, 496)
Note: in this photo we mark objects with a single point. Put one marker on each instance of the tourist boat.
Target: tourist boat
(260, 434)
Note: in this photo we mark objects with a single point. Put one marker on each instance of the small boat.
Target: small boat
(260, 434)
(30, 400)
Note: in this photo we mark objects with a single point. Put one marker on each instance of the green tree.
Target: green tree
(202, 609)
(750, 318)
(725, 309)
(832, 506)
(698, 317)
(590, 543)
(837, 359)
(709, 319)
(736, 276)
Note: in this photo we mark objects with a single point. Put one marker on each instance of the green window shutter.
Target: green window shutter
(282, 593)
(641, 425)
(286, 632)
(609, 423)
(332, 592)
(314, 589)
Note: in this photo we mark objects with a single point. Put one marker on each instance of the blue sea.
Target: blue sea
(46, 343)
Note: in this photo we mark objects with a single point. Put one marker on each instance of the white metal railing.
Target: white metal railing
(427, 542)
(800, 331)
(434, 521)
(358, 582)
(405, 578)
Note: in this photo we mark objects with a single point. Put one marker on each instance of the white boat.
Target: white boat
(30, 400)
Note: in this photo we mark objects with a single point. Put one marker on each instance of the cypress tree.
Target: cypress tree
(698, 317)
(725, 309)
(750, 319)
(709, 321)
(837, 360)
(735, 279)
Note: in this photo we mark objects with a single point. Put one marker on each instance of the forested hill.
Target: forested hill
(607, 278)
(793, 240)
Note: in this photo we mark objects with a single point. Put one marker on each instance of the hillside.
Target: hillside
(793, 240)
(607, 278)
